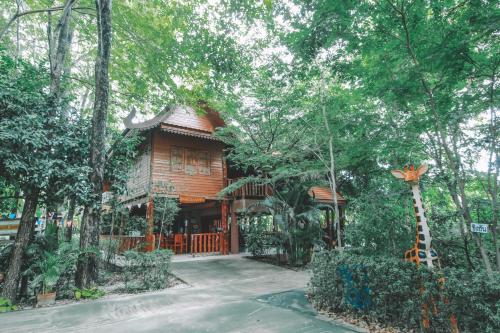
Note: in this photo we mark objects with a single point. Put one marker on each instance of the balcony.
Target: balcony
(250, 190)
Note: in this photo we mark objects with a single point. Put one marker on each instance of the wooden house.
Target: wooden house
(180, 157)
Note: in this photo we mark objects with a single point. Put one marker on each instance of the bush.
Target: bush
(6, 305)
(90, 293)
(147, 270)
(110, 248)
(388, 290)
(303, 241)
(257, 237)
(50, 266)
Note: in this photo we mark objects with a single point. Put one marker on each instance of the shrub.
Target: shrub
(6, 305)
(147, 270)
(51, 271)
(90, 293)
(303, 240)
(110, 248)
(258, 239)
(388, 290)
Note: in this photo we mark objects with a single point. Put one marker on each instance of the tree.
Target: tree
(423, 72)
(57, 56)
(166, 210)
(25, 159)
(87, 269)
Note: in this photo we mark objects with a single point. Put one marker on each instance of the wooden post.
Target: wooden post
(150, 238)
(329, 228)
(224, 249)
(235, 241)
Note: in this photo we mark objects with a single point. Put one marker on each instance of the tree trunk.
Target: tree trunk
(122, 225)
(331, 167)
(467, 219)
(69, 219)
(87, 269)
(87, 266)
(462, 203)
(18, 23)
(494, 168)
(466, 246)
(57, 55)
(58, 49)
(111, 234)
(22, 239)
(23, 291)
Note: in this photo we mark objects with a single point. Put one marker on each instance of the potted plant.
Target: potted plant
(48, 270)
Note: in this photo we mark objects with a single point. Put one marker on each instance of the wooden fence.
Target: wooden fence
(208, 243)
(199, 243)
(126, 243)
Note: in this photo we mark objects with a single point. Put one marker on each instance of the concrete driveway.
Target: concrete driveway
(224, 294)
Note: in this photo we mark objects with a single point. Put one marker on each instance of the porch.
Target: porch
(210, 225)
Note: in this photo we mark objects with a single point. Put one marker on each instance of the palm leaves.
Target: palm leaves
(296, 217)
(51, 265)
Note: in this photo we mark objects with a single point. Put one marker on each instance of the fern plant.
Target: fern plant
(48, 269)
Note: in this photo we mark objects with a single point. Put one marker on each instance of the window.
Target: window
(204, 163)
(191, 162)
(177, 159)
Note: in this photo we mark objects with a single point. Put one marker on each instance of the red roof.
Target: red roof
(324, 194)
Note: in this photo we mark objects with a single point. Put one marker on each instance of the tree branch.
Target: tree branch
(34, 11)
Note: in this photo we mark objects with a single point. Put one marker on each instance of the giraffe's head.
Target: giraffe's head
(409, 174)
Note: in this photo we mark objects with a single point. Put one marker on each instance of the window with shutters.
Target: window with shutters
(177, 158)
(191, 162)
(204, 163)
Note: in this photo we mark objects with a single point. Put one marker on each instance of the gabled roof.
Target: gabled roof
(324, 194)
(182, 120)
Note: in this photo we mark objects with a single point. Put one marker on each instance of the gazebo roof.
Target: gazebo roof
(324, 194)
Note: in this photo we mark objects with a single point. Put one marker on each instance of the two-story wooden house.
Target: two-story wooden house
(180, 157)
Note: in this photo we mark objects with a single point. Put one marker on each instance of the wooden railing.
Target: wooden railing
(250, 190)
(199, 243)
(208, 243)
(126, 243)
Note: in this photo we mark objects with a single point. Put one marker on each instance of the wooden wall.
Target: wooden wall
(138, 175)
(186, 181)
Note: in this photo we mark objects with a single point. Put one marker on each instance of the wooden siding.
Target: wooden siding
(187, 181)
(138, 176)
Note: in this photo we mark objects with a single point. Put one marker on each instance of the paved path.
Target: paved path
(230, 294)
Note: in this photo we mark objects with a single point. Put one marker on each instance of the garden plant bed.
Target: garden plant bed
(111, 283)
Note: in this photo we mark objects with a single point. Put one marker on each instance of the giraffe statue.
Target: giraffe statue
(422, 252)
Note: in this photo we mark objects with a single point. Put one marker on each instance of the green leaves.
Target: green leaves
(388, 290)
(39, 143)
(88, 293)
(147, 270)
(6, 305)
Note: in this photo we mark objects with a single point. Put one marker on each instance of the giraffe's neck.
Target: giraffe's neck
(423, 233)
